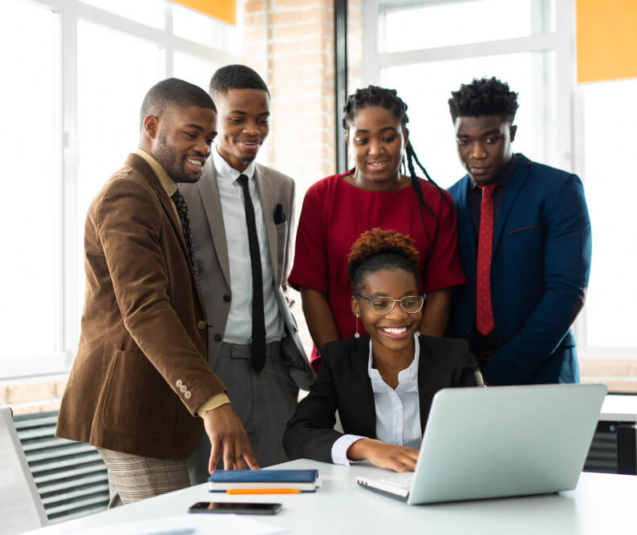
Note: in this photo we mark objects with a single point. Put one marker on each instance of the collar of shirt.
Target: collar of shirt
(167, 183)
(407, 378)
(504, 177)
(224, 171)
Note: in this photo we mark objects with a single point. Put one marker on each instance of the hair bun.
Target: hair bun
(377, 242)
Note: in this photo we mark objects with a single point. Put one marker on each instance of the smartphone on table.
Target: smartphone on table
(236, 508)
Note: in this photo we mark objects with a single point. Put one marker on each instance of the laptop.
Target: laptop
(500, 441)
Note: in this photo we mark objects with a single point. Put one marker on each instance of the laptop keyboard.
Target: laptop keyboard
(397, 484)
(401, 482)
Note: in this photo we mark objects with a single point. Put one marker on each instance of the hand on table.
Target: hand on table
(397, 458)
(228, 438)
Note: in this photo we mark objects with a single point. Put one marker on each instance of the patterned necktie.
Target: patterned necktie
(258, 310)
(484, 311)
(182, 210)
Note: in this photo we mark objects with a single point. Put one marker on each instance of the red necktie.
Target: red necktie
(484, 312)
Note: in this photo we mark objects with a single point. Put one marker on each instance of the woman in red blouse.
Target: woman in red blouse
(339, 208)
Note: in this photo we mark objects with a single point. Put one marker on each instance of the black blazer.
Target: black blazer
(343, 384)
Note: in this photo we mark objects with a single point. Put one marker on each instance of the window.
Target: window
(426, 89)
(416, 53)
(149, 12)
(30, 167)
(108, 113)
(70, 117)
(194, 69)
(439, 24)
(608, 112)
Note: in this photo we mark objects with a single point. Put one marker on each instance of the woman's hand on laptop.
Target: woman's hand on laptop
(397, 458)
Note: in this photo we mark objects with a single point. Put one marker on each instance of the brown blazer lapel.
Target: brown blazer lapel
(266, 194)
(140, 165)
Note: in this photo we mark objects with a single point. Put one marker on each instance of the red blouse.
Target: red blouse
(335, 213)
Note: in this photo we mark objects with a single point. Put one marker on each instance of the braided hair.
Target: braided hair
(378, 249)
(389, 100)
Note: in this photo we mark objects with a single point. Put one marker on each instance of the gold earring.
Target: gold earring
(357, 335)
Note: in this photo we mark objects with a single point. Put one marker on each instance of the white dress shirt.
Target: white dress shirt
(239, 324)
(397, 411)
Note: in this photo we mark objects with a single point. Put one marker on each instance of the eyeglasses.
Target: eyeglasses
(384, 305)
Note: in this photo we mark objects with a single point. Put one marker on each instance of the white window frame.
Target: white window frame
(568, 106)
(69, 13)
(585, 351)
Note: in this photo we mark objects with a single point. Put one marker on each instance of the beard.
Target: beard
(173, 163)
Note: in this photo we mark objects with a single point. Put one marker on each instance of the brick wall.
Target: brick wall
(33, 395)
(297, 58)
(617, 375)
(292, 46)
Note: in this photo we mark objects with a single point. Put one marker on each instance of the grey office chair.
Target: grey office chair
(20, 505)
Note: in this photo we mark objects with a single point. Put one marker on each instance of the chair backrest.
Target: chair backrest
(20, 505)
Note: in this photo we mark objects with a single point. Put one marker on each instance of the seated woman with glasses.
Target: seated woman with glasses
(382, 384)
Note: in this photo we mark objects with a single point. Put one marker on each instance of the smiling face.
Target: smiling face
(243, 125)
(180, 140)
(393, 331)
(377, 140)
(484, 145)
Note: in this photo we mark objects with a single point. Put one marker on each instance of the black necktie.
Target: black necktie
(182, 210)
(258, 319)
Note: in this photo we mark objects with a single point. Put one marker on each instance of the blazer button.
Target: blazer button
(183, 389)
(187, 394)
(218, 338)
(201, 325)
(179, 383)
(226, 298)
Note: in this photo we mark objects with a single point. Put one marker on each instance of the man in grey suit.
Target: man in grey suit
(241, 214)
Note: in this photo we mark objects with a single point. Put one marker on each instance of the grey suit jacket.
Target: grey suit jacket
(209, 238)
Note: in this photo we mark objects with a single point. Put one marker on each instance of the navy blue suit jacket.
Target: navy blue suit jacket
(539, 274)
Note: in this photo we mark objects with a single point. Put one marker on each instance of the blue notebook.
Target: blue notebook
(222, 480)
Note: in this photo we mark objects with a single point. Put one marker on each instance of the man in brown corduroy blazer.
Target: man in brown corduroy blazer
(141, 389)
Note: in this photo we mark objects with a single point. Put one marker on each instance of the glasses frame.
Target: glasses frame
(394, 301)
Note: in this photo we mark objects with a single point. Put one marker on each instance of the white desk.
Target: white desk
(619, 409)
(601, 504)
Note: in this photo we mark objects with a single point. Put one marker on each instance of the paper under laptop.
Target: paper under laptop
(499, 441)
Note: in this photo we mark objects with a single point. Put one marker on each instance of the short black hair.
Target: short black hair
(236, 77)
(484, 96)
(171, 94)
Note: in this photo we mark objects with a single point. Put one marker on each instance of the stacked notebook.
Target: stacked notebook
(301, 480)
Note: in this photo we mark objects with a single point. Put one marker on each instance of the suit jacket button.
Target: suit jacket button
(187, 394)
(179, 383)
(201, 325)
(218, 338)
(226, 298)
(183, 389)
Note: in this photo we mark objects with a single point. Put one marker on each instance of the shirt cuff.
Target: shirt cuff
(213, 403)
(340, 447)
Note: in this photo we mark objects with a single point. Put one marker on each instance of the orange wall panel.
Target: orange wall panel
(225, 10)
(606, 39)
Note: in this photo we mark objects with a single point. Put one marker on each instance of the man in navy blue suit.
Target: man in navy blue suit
(525, 245)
